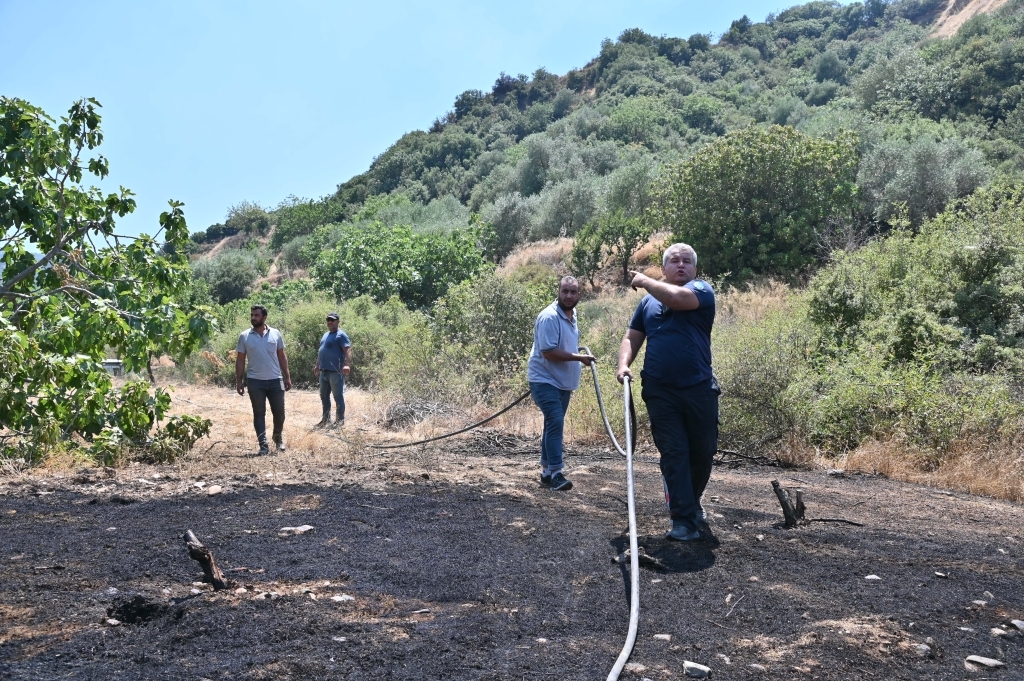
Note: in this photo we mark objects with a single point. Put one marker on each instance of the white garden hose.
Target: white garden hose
(634, 558)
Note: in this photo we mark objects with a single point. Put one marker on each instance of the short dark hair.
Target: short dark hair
(260, 308)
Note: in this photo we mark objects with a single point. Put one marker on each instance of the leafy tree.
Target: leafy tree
(922, 174)
(232, 274)
(86, 292)
(248, 217)
(381, 262)
(752, 201)
(587, 253)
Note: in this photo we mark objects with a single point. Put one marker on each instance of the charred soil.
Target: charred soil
(486, 575)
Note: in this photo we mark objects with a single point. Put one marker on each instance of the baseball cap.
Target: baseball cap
(332, 315)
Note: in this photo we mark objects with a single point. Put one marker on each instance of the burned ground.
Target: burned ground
(465, 568)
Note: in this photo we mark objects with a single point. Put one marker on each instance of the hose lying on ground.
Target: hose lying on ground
(634, 558)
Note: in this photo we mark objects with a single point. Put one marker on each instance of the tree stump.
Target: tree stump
(202, 555)
(792, 511)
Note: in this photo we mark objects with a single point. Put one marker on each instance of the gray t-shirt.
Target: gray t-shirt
(261, 353)
(554, 329)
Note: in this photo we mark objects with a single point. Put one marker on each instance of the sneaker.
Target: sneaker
(264, 449)
(545, 480)
(560, 483)
(681, 532)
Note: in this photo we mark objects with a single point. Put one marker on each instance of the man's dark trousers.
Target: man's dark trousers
(261, 392)
(684, 423)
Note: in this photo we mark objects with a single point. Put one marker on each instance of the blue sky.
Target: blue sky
(212, 103)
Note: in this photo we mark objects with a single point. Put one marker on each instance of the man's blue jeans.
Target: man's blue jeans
(333, 382)
(553, 403)
(261, 392)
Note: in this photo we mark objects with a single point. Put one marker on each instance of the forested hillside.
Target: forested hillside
(541, 156)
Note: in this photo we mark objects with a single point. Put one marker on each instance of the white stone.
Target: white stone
(241, 590)
(923, 649)
(873, 578)
(635, 667)
(759, 667)
(301, 529)
(214, 489)
(113, 623)
(835, 472)
(342, 598)
(696, 671)
(974, 662)
(759, 537)
(339, 639)
(542, 640)
(943, 575)
(981, 603)
(663, 637)
(989, 595)
(195, 591)
(996, 631)
(724, 658)
(1018, 623)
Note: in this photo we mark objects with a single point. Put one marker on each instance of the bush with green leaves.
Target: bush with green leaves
(922, 174)
(918, 338)
(248, 217)
(295, 255)
(231, 274)
(752, 202)
(72, 293)
(382, 262)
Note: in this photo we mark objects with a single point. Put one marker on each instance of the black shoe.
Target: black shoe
(681, 531)
(279, 441)
(560, 483)
(545, 480)
(264, 449)
(324, 422)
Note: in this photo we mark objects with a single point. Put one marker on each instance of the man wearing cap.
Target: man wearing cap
(333, 363)
(268, 376)
(679, 389)
(553, 371)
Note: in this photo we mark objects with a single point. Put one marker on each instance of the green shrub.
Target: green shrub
(295, 256)
(752, 202)
(382, 262)
(232, 274)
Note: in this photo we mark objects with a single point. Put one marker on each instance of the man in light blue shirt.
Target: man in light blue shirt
(554, 372)
(268, 377)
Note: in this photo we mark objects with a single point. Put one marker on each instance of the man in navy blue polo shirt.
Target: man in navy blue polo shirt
(333, 364)
(553, 371)
(681, 394)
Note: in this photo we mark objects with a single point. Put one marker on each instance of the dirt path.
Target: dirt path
(475, 572)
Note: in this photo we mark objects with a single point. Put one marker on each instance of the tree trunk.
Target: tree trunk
(203, 556)
(793, 512)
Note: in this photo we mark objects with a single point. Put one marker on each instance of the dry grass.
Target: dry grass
(750, 305)
(973, 466)
(549, 253)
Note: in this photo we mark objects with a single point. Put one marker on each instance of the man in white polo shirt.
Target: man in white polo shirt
(554, 372)
(268, 377)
